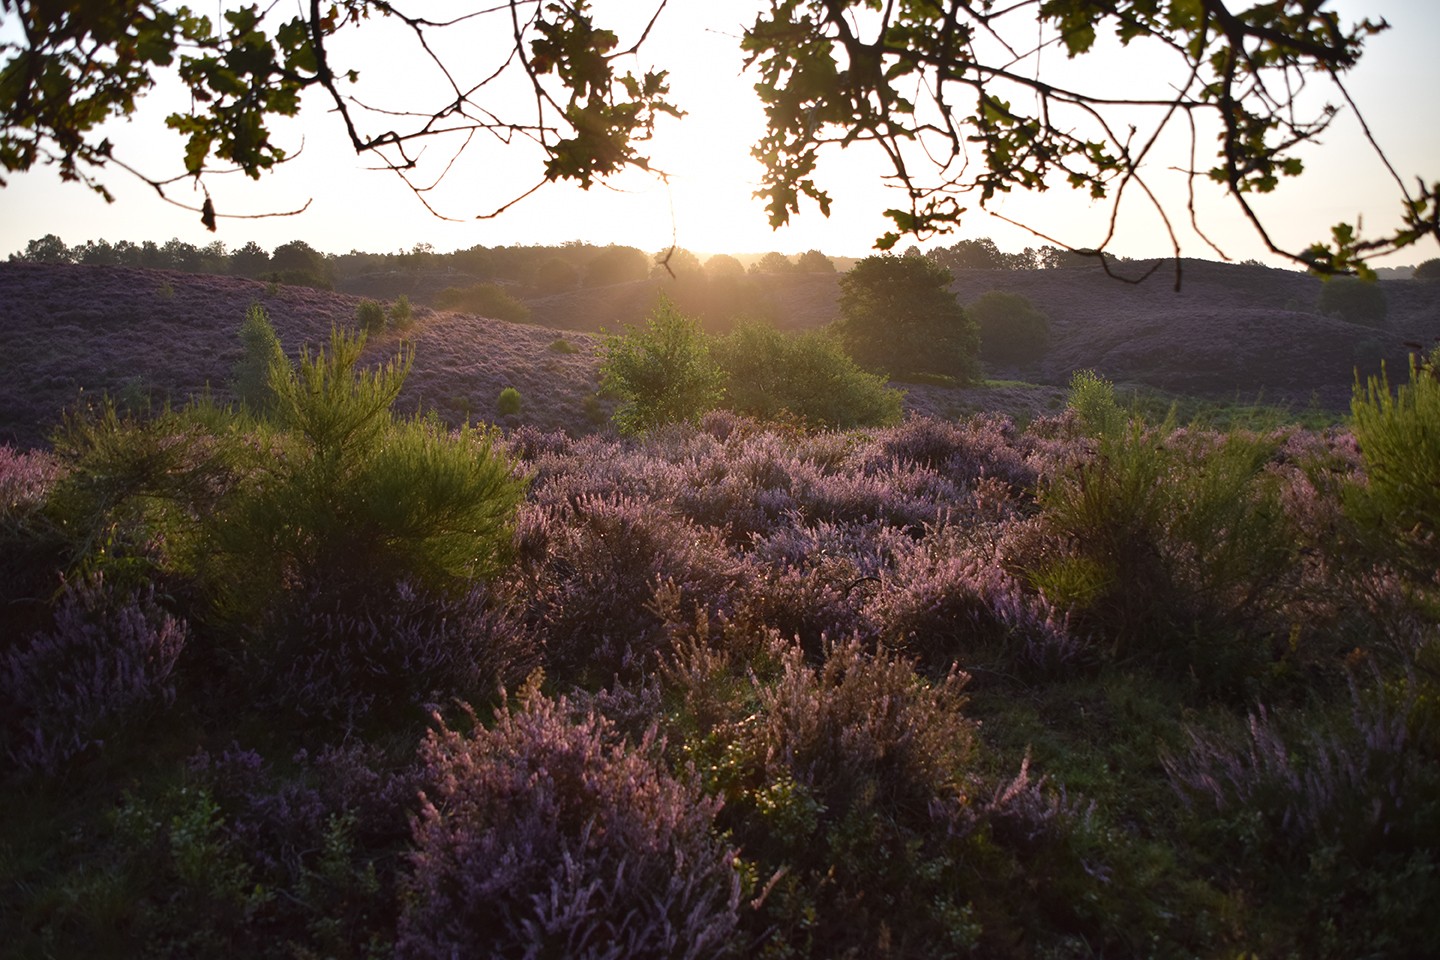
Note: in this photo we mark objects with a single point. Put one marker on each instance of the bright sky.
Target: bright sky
(707, 205)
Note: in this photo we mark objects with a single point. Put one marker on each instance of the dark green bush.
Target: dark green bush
(769, 373)
(401, 312)
(1429, 270)
(485, 300)
(1353, 300)
(1012, 331)
(898, 317)
(370, 316)
(345, 496)
(661, 373)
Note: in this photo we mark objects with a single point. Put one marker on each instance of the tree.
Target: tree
(251, 260)
(723, 266)
(813, 261)
(1353, 300)
(773, 262)
(956, 97)
(616, 264)
(1011, 329)
(47, 249)
(898, 316)
(1428, 270)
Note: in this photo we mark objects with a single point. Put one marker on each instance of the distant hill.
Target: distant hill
(1231, 332)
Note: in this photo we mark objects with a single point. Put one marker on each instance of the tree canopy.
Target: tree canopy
(954, 94)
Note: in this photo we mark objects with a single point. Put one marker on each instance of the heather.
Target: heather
(318, 676)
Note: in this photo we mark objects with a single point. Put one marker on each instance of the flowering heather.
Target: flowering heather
(342, 661)
(587, 575)
(546, 835)
(105, 660)
(25, 478)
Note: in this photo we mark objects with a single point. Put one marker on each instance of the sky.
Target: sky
(706, 203)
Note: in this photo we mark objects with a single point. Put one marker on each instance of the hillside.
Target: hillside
(1231, 332)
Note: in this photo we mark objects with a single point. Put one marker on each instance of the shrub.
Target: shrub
(251, 377)
(485, 300)
(1399, 438)
(561, 345)
(370, 316)
(1012, 331)
(1092, 397)
(661, 373)
(769, 373)
(401, 312)
(898, 316)
(106, 658)
(1353, 300)
(1429, 270)
(508, 403)
(546, 836)
(345, 495)
(1193, 586)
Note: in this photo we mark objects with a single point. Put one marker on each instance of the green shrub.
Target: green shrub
(661, 373)
(769, 373)
(561, 345)
(401, 312)
(1092, 397)
(485, 300)
(370, 316)
(1173, 545)
(1353, 300)
(251, 377)
(508, 403)
(1399, 438)
(1012, 331)
(348, 497)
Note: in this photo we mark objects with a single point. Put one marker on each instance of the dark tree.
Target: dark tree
(898, 317)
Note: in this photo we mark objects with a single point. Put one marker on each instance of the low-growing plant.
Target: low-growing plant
(561, 345)
(508, 403)
(661, 373)
(548, 835)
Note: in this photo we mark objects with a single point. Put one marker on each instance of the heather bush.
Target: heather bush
(547, 835)
(32, 547)
(106, 660)
(370, 316)
(1012, 330)
(485, 300)
(589, 568)
(1334, 819)
(344, 662)
(769, 373)
(1353, 300)
(661, 373)
(508, 402)
(1398, 504)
